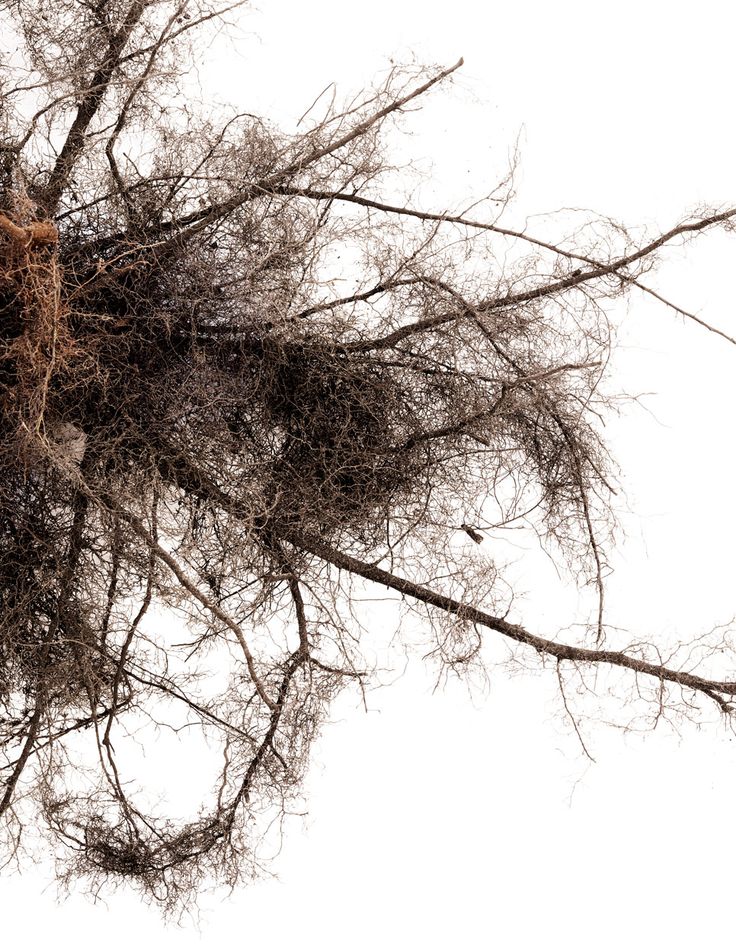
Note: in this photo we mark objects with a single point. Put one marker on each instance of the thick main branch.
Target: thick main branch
(90, 103)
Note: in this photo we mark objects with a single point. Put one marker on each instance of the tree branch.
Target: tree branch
(545, 647)
(51, 193)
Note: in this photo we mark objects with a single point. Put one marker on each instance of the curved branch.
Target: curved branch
(204, 600)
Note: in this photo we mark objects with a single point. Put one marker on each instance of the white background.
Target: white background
(443, 821)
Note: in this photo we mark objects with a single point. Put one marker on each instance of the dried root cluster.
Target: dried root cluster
(205, 438)
(172, 442)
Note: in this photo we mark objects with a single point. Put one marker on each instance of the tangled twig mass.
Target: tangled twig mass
(196, 421)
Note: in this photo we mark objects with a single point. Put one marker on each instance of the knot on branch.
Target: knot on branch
(42, 232)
